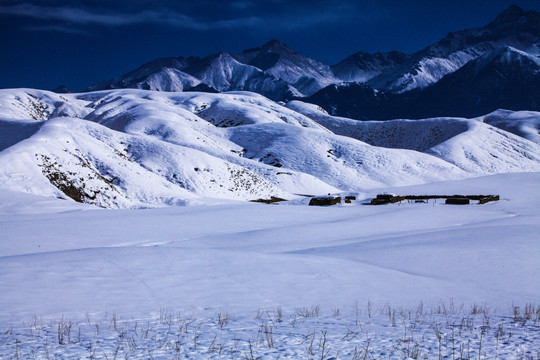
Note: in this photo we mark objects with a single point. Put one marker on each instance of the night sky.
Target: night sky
(47, 43)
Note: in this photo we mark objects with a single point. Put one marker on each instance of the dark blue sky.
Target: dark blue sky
(47, 43)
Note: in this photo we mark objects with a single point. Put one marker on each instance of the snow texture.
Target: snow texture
(134, 148)
(234, 279)
(223, 278)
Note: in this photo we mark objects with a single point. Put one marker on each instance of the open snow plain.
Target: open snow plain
(222, 278)
(289, 281)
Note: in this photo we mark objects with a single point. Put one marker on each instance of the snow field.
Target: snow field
(58, 257)
(366, 331)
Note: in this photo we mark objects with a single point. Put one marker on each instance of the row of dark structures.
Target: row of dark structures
(382, 199)
(330, 200)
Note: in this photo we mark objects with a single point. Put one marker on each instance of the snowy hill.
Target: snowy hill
(469, 144)
(523, 123)
(136, 148)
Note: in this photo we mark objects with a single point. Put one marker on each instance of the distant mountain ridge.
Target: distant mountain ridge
(284, 72)
(502, 78)
(373, 86)
(514, 27)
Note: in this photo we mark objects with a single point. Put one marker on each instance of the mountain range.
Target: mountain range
(467, 73)
(272, 123)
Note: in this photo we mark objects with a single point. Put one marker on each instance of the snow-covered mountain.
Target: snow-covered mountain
(468, 73)
(504, 77)
(275, 58)
(514, 27)
(273, 70)
(136, 148)
(395, 81)
(214, 73)
(164, 74)
(224, 73)
(363, 66)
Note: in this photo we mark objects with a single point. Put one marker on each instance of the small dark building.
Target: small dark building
(458, 201)
(349, 199)
(325, 200)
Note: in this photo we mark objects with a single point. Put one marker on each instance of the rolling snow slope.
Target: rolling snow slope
(523, 123)
(210, 281)
(469, 144)
(58, 257)
(136, 148)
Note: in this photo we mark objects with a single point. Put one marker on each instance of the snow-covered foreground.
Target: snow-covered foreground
(360, 332)
(190, 281)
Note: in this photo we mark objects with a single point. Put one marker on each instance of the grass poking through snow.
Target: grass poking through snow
(445, 331)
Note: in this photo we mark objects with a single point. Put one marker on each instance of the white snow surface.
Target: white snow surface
(57, 256)
(144, 279)
(168, 80)
(469, 144)
(225, 271)
(426, 71)
(522, 123)
(134, 148)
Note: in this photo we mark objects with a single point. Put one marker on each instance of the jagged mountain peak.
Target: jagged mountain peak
(275, 45)
(515, 19)
(363, 66)
(514, 27)
(277, 59)
(274, 42)
(509, 54)
(221, 56)
(178, 63)
(224, 72)
(146, 76)
(506, 59)
(512, 14)
(221, 71)
(269, 55)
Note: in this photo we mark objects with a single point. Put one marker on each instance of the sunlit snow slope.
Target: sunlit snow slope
(135, 148)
